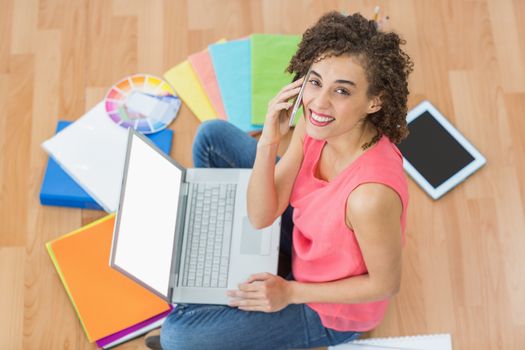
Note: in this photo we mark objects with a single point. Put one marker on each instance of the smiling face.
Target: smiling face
(335, 99)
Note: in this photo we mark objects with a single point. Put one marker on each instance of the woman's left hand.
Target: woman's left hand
(262, 292)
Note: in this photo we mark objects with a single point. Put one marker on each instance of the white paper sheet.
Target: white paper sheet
(92, 151)
(416, 342)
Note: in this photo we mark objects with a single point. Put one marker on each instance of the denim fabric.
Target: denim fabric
(194, 326)
(219, 144)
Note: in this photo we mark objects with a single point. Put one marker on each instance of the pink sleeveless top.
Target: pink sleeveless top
(324, 248)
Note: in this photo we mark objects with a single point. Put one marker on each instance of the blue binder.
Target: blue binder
(59, 189)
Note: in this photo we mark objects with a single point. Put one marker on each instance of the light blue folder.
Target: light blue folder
(232, 65)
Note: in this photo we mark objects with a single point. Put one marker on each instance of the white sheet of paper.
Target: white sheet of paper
(92, 151)
(416, 342)
(141, 103)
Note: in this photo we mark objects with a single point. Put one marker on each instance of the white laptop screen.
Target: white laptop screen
(148, 214)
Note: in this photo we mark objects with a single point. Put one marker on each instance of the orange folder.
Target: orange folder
(105, 300)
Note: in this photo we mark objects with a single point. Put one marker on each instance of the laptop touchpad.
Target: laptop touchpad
(252, 240)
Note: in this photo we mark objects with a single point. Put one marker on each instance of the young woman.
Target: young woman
(340, 188)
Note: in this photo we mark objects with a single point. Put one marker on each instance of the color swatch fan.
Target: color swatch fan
(143, 102)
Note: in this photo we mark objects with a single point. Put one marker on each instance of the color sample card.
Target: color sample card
(142, 102)
(185, 81)
(203, 67)
(270, 55)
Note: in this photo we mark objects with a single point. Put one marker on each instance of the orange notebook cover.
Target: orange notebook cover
(105, 300)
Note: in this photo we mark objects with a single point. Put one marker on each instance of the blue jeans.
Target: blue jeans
(195, 326)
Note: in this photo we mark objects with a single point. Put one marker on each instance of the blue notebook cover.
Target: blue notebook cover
(59, 189)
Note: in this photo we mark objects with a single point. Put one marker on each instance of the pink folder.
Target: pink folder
(203, 66)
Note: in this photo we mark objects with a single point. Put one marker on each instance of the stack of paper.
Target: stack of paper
(109, 305)
(58, 188)
(92, 151)
(417, 342)
(235, 80)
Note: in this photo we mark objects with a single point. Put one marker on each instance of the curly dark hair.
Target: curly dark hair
(386, 65)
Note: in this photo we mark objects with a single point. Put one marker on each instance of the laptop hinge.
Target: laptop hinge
(179, 233)
(170, 295)
(184, 189)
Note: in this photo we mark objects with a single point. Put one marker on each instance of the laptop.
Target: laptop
(184, 234)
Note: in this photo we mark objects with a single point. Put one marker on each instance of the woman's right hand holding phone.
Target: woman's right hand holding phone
(276, 123)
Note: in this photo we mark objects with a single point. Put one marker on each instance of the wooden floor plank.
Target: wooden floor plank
(16, 142)
(463, 260)
(12, 300)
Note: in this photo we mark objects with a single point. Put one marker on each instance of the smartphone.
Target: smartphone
(299, 98)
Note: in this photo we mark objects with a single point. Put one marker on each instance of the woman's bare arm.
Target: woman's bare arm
(374, 210)
(270, 185)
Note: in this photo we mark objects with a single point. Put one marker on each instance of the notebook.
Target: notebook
(186, 236)
(134, 331)
(417, 342)
(59, 189)
(105, 301)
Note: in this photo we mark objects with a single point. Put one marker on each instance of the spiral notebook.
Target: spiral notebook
(416, 342)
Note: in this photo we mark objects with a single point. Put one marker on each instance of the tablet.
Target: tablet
(435, 154)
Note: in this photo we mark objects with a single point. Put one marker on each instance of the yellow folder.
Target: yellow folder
(184, 80)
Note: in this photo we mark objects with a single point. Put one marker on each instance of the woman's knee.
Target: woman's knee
(204, 140)
(209, 129)
(177, 336)
(193, 327)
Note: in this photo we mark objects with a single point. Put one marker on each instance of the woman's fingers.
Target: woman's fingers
(276, 104)
(280, 107)
(249, 302)
(247, 295)
(250, 287)
(290, 90)
(285, 96)
(276, 125)
(255, 308)
(292, 85)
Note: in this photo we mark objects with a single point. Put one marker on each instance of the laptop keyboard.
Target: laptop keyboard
(209, 235)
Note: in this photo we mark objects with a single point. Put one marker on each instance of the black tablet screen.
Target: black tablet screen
(433, 151)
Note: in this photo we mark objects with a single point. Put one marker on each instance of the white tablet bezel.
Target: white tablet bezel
(458, 177)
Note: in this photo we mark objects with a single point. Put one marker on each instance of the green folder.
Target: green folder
(271, 54)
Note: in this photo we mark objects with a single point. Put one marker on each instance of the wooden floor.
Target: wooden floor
(464, 265)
